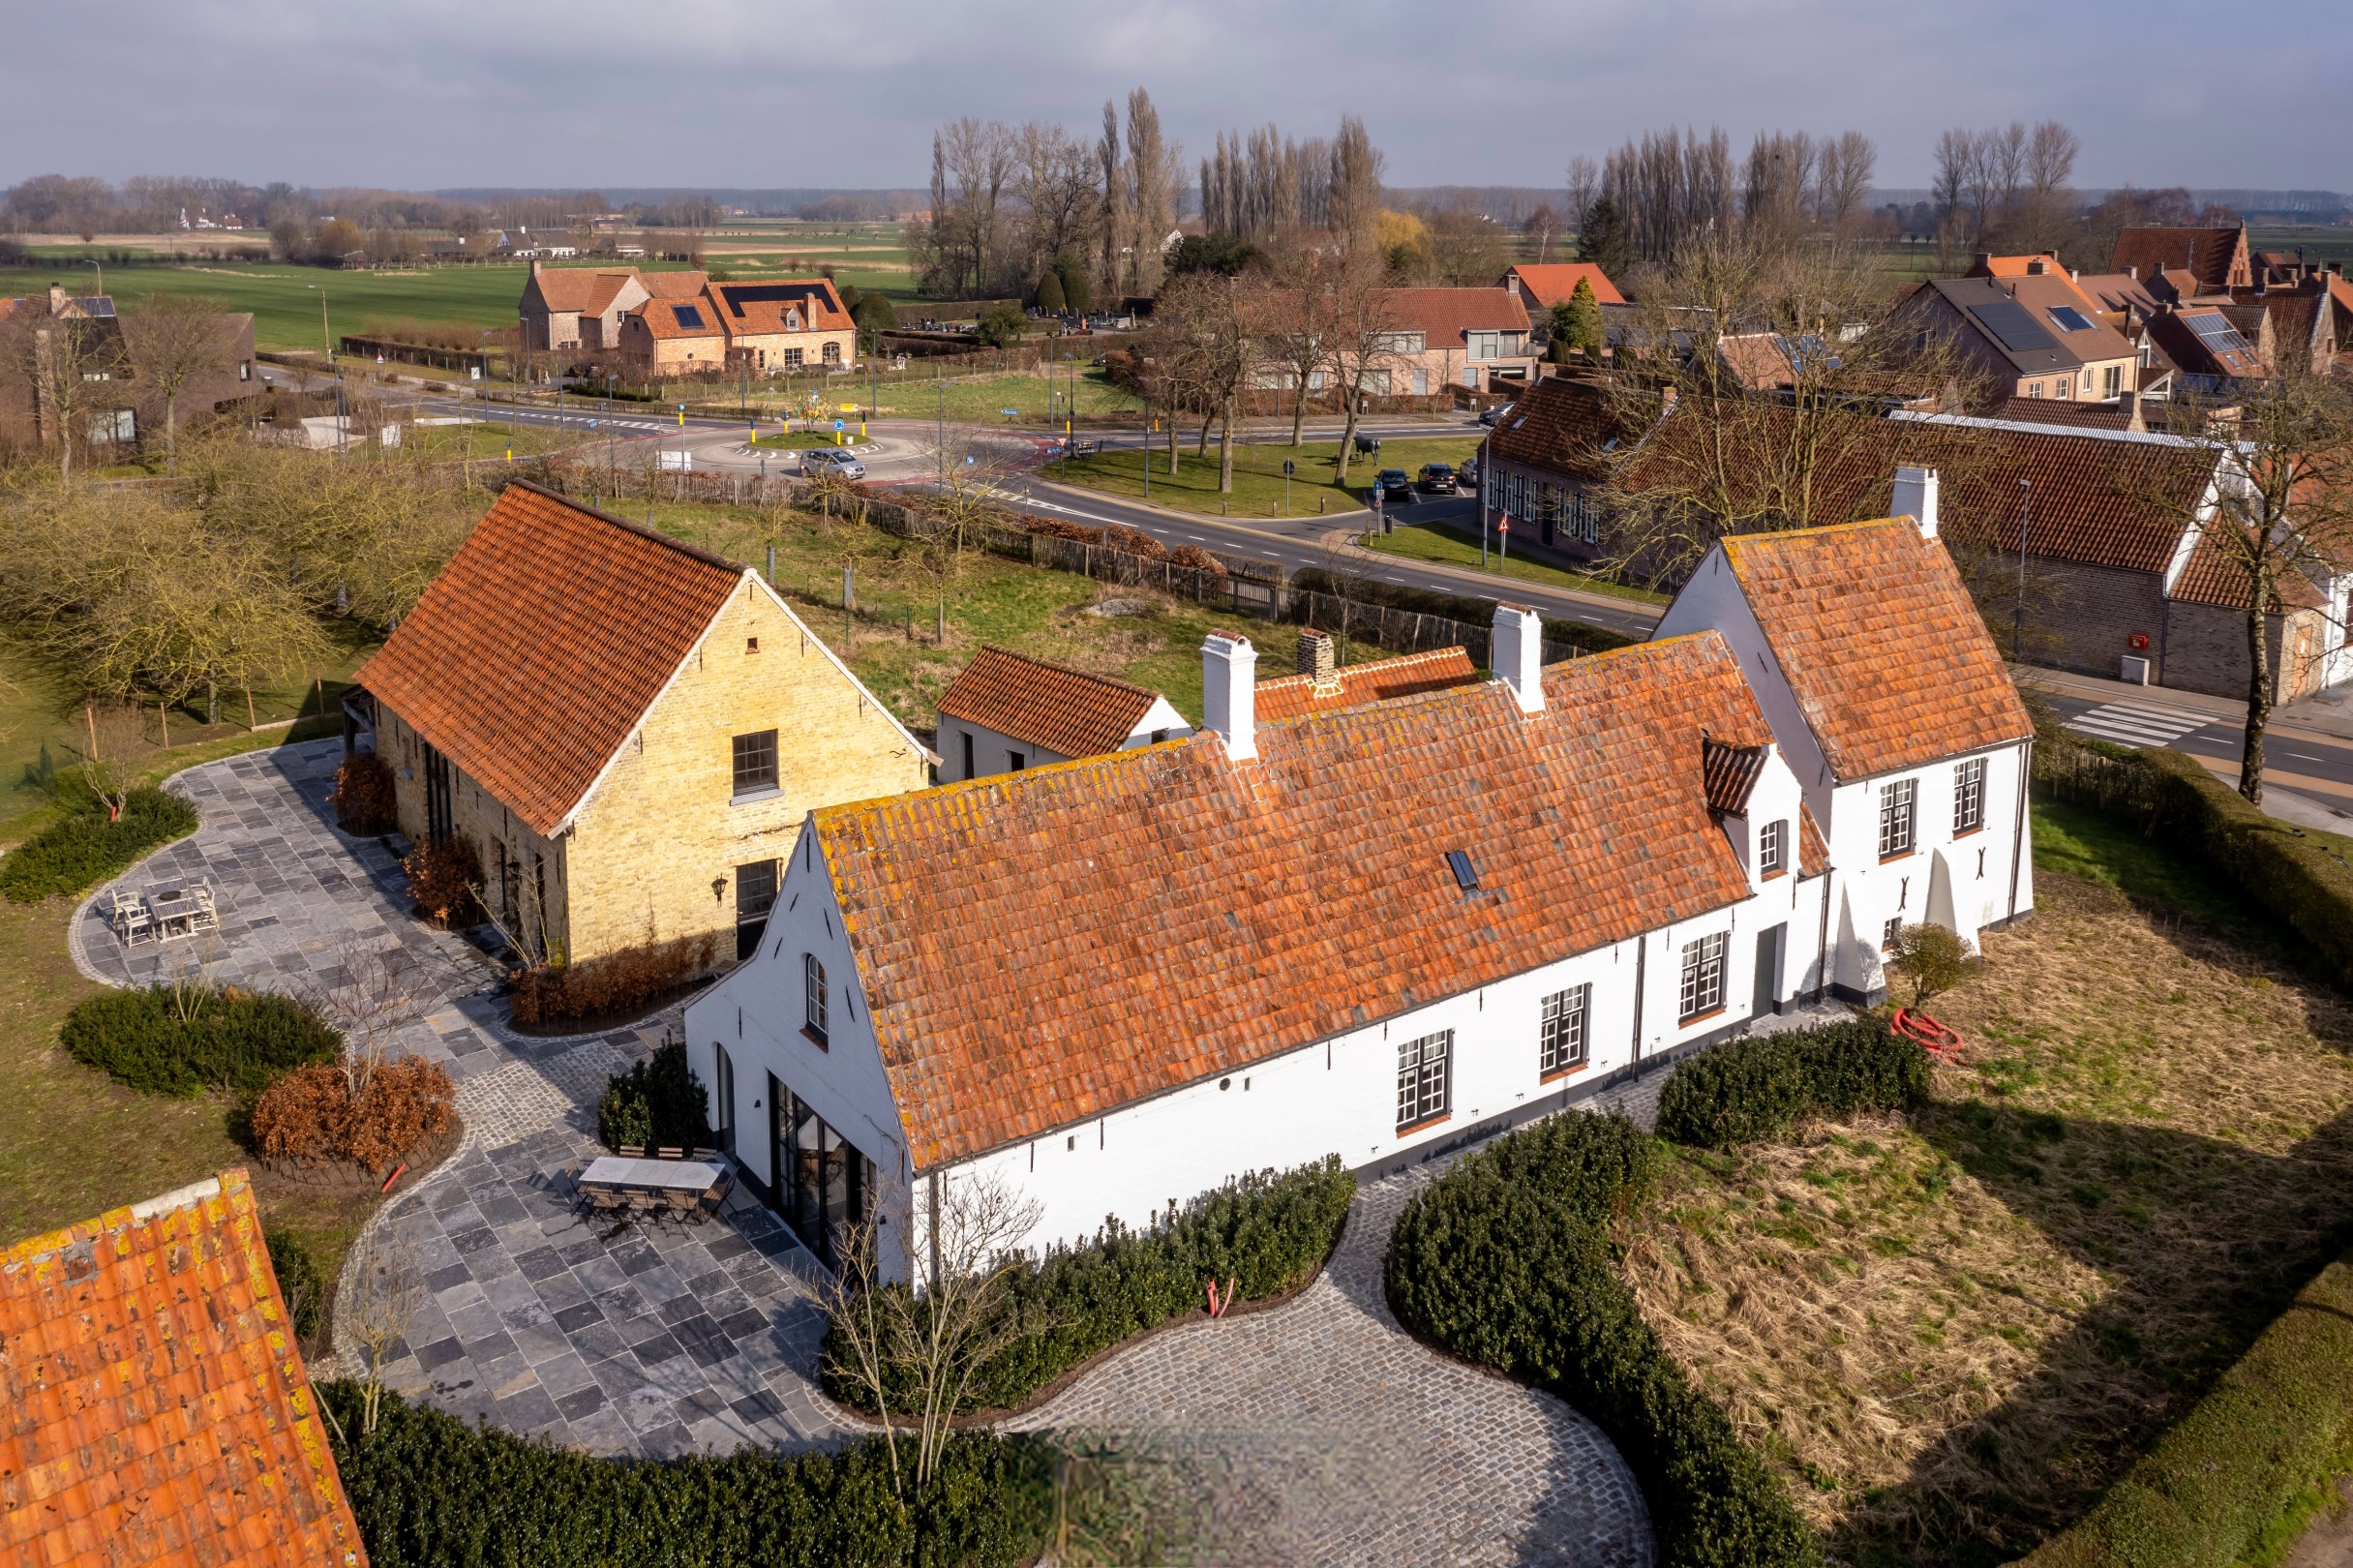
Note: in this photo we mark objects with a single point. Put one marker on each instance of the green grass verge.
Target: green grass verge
(2081, 841)
(1451, 546)
(1258, 485)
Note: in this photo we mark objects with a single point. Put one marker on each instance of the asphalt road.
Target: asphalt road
(2298, 759)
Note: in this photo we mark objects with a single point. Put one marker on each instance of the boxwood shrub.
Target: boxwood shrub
(1507, 1262)
(86, 848)
(431, 1492)
(657, 1104)
(166, 1040)
(2225, 1484)
(1266, 1233)
(1747, 1090)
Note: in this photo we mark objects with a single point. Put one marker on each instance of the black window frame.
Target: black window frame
(1565, 1036)
(1705, 965)
(1424, 1080)
(1969, 796)
(752, 776)
(815, 1009)
(1899, 818)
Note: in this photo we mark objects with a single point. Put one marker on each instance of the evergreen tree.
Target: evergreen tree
(1577, 326)
(1049, 291)
(1601, 238)
(875, 315)
(1077, 290)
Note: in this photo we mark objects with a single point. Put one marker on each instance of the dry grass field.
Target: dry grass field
(1950, 1333)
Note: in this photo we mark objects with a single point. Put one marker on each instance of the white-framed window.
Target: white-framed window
(1894, 929)
(1703, 990)
(1896, 818)
(1969, 796)
(1773, 849)
(833, 353)
(813, 1010)
(792, 359)
(1484, 345)
(115, 425)
(1425, 1078)
(1561, 1036)
(2112, 381)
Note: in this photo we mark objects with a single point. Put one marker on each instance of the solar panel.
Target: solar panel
(740, 295)
(687, 315)
(2069, 319)
(2217, 334)
(2012, 327)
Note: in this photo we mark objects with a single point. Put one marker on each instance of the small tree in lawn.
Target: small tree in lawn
(1934, 958)
(1577, 327)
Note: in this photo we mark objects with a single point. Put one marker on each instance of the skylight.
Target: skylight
(687, 315)
(1465, 875)
(2067, 318)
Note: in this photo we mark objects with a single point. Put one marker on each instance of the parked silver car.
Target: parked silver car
(824, 460)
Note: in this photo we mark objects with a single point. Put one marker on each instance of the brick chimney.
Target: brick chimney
(1229, 692)
(57, 300)
(2129, 403)
(1518, 656)
(2037, 267)
(1317, 656)
(1915, 498)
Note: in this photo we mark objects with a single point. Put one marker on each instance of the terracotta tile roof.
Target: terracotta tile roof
(2114, 293)
(1813, 849)
(540, 646)
(1294, 696)
(2052, 412)
(1761, 360)
(760, 305)
(1068, 712)
(2211, 256)
(1880, 642)
(1041, 948)
(2173, 331)
(1443, 315)
(2209, 576)
(1564, 427)
(2042, 293)
(1728, 774)
(673, 284)
(2012, 266)
(156, 1409)
(679, 319)
(1546, 283)
(579, 289)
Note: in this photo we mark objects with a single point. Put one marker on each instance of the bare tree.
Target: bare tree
(1204, 331)
(385, 1295)
(64, 362)
(173, 339)
(2280, 528)
(371, 992)
(1541, 226)
(1361, 342)
(1054, 186)
(1843, 179)
(916, 1351)
(1117, 226)
(1291, 308)
(1153, 173)
(1353, 208)
(1583, 185)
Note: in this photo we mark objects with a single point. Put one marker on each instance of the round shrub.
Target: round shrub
(1746, 1091)
(364, 800)
(181, 1042)
(308, 1116)
(90, 846)
(443, 878)
(659, 1102)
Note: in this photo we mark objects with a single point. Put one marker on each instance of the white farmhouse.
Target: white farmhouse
(1377, 931)
(1891, 703)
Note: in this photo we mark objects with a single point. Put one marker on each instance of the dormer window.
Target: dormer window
(1772, 853)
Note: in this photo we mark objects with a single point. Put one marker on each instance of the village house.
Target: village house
(582, 307)
(2033, 335)
(628, 729)
(2187, 264)
(1005, 712)
(123, 409)
(1442, 339)
(1379, 932)
(158, 1411)
(1547, 464)
(770, 328)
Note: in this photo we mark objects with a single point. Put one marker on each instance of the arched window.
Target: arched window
(813, 997)
(833, 353)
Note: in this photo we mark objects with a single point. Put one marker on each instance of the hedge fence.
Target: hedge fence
(1266, 1232)
(166, 1040)
(431, 1492)
(1743, 1091)
(89, 846)
(1507, 1262)
(2251, 1459)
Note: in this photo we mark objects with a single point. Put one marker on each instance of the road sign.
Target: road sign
(1287, 467)
(838, 427)
(1010, 413)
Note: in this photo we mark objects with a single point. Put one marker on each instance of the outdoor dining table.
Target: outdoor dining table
(169, 903)
(684, 1186)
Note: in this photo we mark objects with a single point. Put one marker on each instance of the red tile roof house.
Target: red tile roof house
(1378, 933)
(1004, 711)
(771, 327)
(157, 1411)
(2033, 335)
(1470, 339)
(1547, 466)
(628, 729)
(581, 307)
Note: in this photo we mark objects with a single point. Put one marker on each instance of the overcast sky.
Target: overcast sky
(419, 93)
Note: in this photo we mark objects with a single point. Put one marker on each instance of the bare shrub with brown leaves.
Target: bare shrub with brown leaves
(310, 1116)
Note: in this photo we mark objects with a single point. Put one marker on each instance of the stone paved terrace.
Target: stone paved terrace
(1316, 1432)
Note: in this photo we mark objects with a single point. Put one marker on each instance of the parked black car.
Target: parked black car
(1393, 484)
(1438, 479)
(1496, 414)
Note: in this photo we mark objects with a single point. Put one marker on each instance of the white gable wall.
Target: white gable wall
(993, 750)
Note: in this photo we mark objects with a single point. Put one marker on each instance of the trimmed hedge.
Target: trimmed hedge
(1507, 1262)
(86, 848)
(2302, 878)
(2214, 1489)
(1266, 1232)
(164, 1041)
(1744, 1091)
(657, 1104)
(430, 1492)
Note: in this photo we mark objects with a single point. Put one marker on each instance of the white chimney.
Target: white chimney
(1518, 654)
(1915, 498)
(1229, 692)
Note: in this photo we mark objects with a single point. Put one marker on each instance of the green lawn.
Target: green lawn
(2081, 841)
(1258, 485)
(1454, 546)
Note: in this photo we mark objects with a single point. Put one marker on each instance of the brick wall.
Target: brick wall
(2078, 616)
(523, 877)
(2205, 650)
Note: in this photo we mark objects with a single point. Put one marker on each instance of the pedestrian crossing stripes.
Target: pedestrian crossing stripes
(2133, 725)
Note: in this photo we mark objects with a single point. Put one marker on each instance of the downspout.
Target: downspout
(1822, 945)
(2017, 834)
(1642, 956)
(933, 1219)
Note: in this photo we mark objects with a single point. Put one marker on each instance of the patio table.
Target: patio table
(682, 1185)
(170, 904)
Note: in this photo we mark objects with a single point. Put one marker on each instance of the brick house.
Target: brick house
(770, 327)
(628, 729)
(2033, 335)
(131, 411)
(1543, 284)
(1547, 464)
(1471, 339)
(1379, 932)
(158, 1411)
(2192, 263)
(582, 307)
(674, 337)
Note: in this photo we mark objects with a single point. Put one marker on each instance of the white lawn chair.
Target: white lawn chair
(204, 918)
(132, 922)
